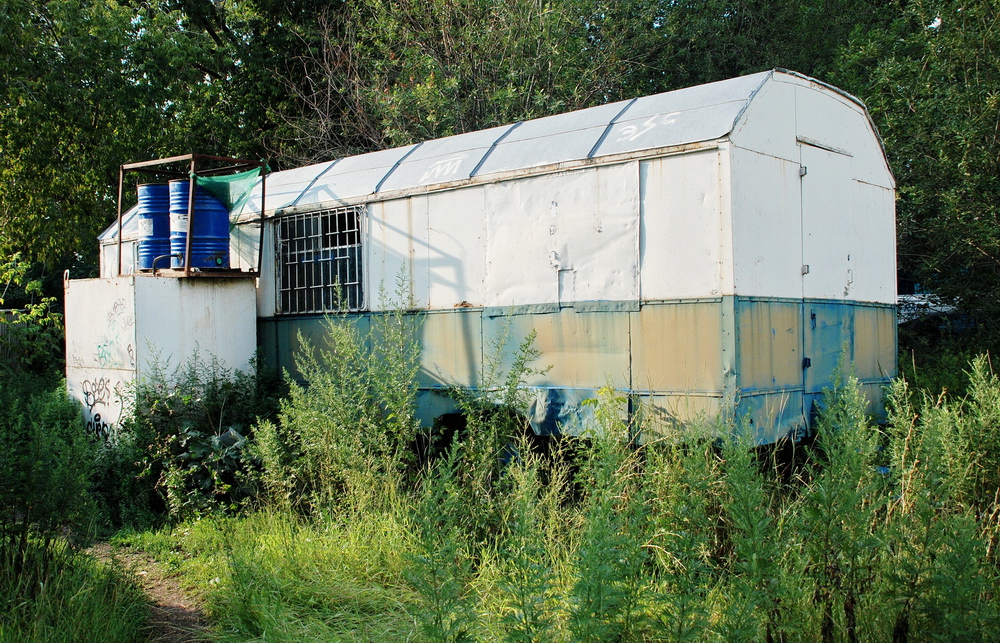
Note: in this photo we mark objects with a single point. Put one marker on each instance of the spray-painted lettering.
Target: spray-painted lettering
(98, 427)
(632, 132)
(443, 168)
(102, 405)
(110, 352)
(96, 392)
(119, 317)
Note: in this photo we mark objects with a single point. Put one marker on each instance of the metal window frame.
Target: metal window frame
(319, 261)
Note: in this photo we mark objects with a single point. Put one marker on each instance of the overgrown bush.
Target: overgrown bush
(183, 451)
(870, 533)
(51, 592)
(45, 461)
(31, 337)
(354, 412)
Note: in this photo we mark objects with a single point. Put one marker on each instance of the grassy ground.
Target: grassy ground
(865, 532)
(56, 594)
(878, 534)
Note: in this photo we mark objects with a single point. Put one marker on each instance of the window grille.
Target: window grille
(319, 261)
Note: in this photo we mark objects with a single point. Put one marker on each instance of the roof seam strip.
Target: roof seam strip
(749, 99)
(311, 183)
(607, 130)
(395, 165)
(493, 147)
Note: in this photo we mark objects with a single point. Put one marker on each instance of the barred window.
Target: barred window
(319, 261)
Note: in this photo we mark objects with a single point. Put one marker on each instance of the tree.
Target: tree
(386, 73)
(702, 41)
(90, 85)
(932, 82)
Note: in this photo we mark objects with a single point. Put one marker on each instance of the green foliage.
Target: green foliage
(184, 449)
(608, 591)
(873, 535)
(354, 411)
(717, 39)
(45, 461)
(494, 426)
(685, 482)
(392, 73)
(88, 86)
(941, 548)
(527, 576)
(939, 368)
(274, 576)
(835, 514)
(440, 567)
(51, 592)
(31, 338)
(930, 80)
(758, 592)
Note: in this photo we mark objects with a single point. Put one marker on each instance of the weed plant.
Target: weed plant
(685, 484)
(440, 566)
(45, 461)
(525, 573)
(31, 337)
(353, 412)
(607, 595)
(50, 591)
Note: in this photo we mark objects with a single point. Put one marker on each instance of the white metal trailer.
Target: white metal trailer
(713, 250)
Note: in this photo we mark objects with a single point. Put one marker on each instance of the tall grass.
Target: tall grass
(53, 594)
(872, 533)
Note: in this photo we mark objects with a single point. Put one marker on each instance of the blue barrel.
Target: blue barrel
(210, 236)
(154, 223)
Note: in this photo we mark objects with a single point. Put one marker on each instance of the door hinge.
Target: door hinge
(806, 362)
(803, 170)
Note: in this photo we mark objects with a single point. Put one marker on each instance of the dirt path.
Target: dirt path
(175, 617)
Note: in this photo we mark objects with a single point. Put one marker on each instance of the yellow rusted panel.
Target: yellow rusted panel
(579, 349)
(874, 342)
(678, 347)
(451, 348)
(770, 342)
(669, 416)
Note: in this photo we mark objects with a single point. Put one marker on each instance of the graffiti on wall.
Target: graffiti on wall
(102, 386)
(113, 348)
(102, 405)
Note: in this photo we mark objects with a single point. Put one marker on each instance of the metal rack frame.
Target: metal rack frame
(153, 167)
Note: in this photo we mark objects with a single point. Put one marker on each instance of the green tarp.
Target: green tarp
(232, 189)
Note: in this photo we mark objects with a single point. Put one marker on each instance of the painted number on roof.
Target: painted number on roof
(632, 132)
